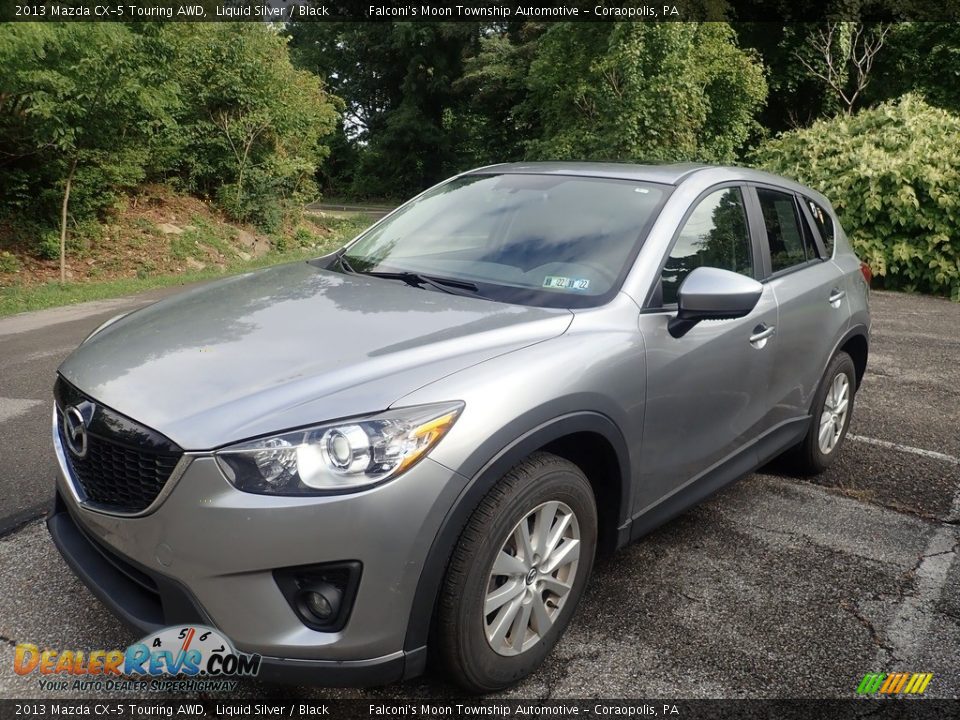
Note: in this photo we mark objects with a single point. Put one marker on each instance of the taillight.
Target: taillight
(867, 272)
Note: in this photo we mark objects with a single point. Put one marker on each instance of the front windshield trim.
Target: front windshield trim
(515, 294)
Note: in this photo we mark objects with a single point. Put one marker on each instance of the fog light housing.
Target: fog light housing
(320, 601)
(321, 595)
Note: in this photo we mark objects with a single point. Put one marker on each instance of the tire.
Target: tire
(540, 484)
(810, 457)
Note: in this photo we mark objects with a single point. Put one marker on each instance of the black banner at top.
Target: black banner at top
(479, 11)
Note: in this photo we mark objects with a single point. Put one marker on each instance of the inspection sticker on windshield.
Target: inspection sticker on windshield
(565, 283)
(562, 283)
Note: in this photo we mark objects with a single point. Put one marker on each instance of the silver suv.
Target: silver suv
(419, 443)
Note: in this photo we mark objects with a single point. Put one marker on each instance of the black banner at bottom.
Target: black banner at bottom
(910, 709)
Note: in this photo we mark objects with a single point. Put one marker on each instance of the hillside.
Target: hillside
(154, 239)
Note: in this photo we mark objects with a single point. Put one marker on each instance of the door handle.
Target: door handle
(836, 295)
(762, 333)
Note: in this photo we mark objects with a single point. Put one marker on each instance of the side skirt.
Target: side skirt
(727, 471)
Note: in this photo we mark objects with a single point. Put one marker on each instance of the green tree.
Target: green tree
(892, 173)
(796, 98)
(79, 103)
(842, 56)
(252, 127)
(496, 115)
(397, 82)
(644, 91)
(921, 57)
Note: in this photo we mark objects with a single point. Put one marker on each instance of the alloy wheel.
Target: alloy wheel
(834, 415)
(531, 578)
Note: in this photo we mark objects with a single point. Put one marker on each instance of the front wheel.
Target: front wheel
(517, 574)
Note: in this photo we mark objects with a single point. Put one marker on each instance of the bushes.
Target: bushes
(9, 263)
(892, 173)
(90, 111)
(251, 127)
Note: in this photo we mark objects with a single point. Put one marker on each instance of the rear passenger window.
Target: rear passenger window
(715, 235)
(824, 224)
(789, 245)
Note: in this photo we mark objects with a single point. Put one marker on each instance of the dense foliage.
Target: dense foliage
(892, 173)
(89, 111)
(921, 57)
(261, 118)
(426, 100)
(643, 91)
(397, 80)
(250, 130)
(79, 106)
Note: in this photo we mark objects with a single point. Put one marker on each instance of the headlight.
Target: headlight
(337, 457)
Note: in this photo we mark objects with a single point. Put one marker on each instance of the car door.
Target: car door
(810, 292)
(707, 391)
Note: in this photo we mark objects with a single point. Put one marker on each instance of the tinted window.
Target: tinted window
(824, 224)
(715, 235)
(788, 243)
(809, 239)
(552, 240)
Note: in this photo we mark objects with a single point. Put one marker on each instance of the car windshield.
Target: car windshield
(547, 240)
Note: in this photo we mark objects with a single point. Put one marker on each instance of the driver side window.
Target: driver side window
(715, 235)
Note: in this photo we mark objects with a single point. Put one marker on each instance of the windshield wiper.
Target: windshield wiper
(447, 285)
(344, 263)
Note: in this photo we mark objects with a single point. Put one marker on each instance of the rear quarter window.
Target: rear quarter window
(824, 225)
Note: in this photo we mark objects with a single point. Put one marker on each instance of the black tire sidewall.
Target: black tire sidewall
(816, 458)
(483, 668)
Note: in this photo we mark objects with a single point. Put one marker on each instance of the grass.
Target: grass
(24, 298)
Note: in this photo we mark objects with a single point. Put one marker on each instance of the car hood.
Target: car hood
(290, 346)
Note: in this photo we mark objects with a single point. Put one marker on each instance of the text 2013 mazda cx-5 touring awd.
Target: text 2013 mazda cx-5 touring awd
(418, 444)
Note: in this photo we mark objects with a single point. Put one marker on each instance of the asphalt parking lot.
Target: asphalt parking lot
(776, 587)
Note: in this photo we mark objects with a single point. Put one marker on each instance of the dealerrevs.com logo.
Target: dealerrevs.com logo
(192, 657)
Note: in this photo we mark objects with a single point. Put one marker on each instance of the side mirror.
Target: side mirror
(713, 294)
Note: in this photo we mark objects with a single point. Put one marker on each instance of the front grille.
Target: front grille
(125, 466)
(117, 477)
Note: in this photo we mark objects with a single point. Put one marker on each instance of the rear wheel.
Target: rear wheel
(517, 574)
(832, 411)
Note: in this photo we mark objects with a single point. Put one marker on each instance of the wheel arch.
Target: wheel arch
(588, 439)
(856, 345)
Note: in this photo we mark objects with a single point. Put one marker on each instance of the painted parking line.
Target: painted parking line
(911, 627)
(943, 457)
(12, 407)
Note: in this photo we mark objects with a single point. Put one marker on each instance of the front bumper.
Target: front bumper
(207, 553)
(149, 601)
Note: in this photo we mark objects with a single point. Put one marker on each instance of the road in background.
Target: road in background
(776, 587)
(374, 212)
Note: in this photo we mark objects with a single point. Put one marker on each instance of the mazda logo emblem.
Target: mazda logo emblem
(75, 432)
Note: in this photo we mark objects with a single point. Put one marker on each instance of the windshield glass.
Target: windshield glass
(548, 240)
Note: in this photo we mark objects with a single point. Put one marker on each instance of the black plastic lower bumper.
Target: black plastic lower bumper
(148, 601)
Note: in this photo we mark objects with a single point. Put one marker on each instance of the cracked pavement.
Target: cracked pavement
(775, 588)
